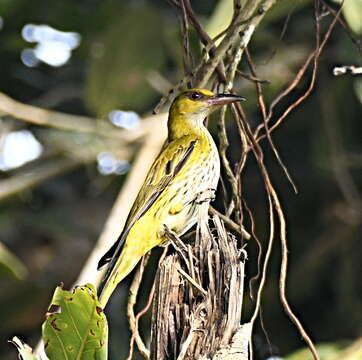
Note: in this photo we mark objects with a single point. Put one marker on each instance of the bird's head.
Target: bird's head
(192, 106)
(200, 102)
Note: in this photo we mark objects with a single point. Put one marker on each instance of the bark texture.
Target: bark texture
(199, 296)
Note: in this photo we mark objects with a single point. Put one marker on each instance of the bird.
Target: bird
(187, 166)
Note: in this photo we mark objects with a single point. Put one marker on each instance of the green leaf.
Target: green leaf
(25, 351)
(220, 18)
(352, 10)
(78, 330)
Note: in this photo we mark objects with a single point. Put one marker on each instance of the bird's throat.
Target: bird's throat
(184, 125)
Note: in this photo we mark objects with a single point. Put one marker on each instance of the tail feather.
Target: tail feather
(118, 270)
(112, 257)
(115, 251)
(107, 257)
(121, 269)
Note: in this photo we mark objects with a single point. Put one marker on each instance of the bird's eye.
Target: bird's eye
(195, 95)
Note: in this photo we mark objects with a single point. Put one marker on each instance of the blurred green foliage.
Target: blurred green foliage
(123, 57)
(10, 264)
(52, 228)
(352, 11)
(332, 351)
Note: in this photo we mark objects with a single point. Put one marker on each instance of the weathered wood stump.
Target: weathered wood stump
(199, 296)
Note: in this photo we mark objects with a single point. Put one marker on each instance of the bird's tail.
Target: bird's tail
(117, 271)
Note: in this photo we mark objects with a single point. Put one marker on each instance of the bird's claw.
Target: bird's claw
(205, 196)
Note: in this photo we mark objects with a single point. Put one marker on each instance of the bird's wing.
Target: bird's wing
(167, 165)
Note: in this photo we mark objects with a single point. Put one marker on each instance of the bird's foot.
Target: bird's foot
(171, 237)
(205, 196)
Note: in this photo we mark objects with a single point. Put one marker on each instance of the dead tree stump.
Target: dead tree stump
(199, 296)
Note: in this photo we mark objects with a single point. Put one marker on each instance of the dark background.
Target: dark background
(128, 57)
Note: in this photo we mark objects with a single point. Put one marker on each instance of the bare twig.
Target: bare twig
(44, 117)
(223, 146)
(186, 54)
(230, 224)
(251, 77)
(132, 299)
(293, 84)
(255, 278)
(29, 178)
(356, 41)
(11, 261)
(313, 56)
(265, 262)
(135, 334)
(134, 320)
(77, 123)
(258, 153)
(205, 39)
(245, 23)
(192, 281)
(178, 245)
(351, 69)
(262, 106)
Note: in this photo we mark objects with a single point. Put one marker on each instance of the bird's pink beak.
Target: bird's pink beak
(224, 99)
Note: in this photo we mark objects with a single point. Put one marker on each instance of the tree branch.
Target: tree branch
(244, 24)
(83, 124)
(27, 179)
(197, 324)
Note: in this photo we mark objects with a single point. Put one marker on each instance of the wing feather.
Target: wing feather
(166, 166)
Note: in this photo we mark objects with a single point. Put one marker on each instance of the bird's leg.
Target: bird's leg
(187, 257)
(173, 238)
(205, 196)
(177, 243)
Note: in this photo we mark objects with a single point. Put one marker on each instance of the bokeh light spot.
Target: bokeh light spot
(54, 47)
(108, 164)
(18, 148)
(126, 119)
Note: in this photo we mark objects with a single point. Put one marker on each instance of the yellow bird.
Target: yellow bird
(187, 166)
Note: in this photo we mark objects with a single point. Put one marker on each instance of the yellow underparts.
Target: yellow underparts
(141, 239)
